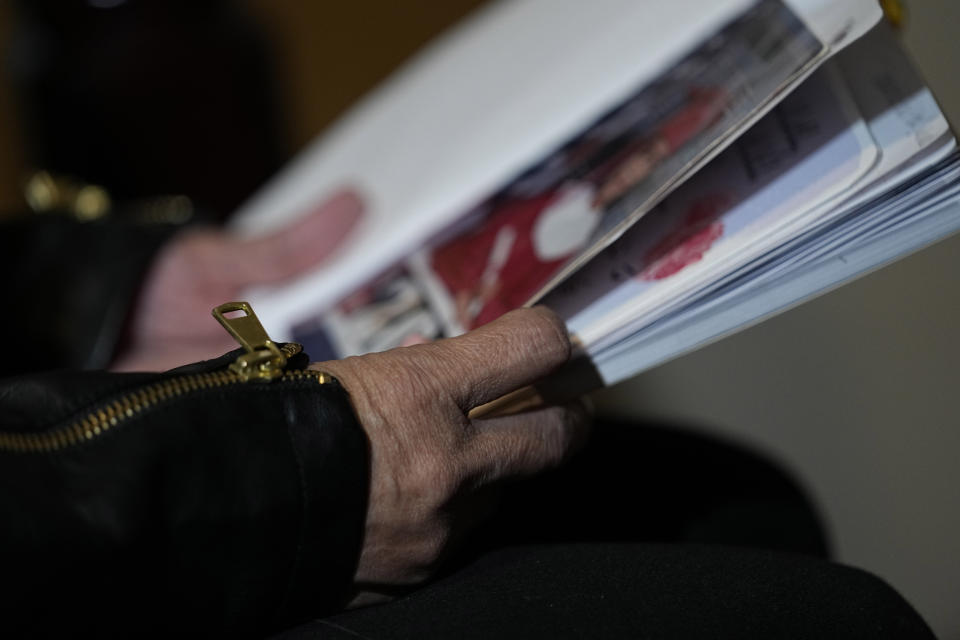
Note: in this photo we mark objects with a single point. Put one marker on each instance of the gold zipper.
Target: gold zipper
(261, 362)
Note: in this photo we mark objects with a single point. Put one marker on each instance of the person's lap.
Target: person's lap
(638, 591)
(649, 532)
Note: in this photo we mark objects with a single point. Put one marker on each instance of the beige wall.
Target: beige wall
(328, 55)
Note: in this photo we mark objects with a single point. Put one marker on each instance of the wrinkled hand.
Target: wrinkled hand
(199, 269)
(430, 463)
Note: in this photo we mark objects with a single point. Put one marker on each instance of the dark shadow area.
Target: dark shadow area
(649, 482)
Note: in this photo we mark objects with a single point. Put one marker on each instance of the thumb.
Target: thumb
(300, 245)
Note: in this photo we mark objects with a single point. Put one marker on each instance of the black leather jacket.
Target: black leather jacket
(68, 288)
(173, 502)
(170, 503)
(135, 503)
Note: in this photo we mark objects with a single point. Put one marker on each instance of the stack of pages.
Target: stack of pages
(660, 174)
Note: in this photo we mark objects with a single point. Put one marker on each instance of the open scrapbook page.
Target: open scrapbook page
(502, 252)
(540, 94)
(857, 162)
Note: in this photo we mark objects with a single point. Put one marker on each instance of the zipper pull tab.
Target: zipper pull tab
(263, 360)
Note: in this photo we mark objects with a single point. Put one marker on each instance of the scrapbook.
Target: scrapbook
(660, 174)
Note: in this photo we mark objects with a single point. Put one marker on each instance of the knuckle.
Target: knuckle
(421, 371)
(388, 378)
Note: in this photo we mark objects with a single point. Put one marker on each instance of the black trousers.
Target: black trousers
(651, 532)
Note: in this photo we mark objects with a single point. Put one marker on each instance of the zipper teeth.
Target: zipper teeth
(99, 421)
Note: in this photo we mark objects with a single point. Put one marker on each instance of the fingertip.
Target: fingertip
(554, 334)
(555, 321)
(541, 327)
(305, 243)
(341, 212)
(351, 199)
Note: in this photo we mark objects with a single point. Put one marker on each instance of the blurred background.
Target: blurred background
(203, 98)
(856, 392)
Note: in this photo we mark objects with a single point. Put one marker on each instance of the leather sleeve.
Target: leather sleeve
(70, 287)
(233, 509)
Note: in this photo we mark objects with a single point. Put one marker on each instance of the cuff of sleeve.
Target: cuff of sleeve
(332, 456)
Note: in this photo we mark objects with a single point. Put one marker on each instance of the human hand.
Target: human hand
(199, 269)
(431, 465)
